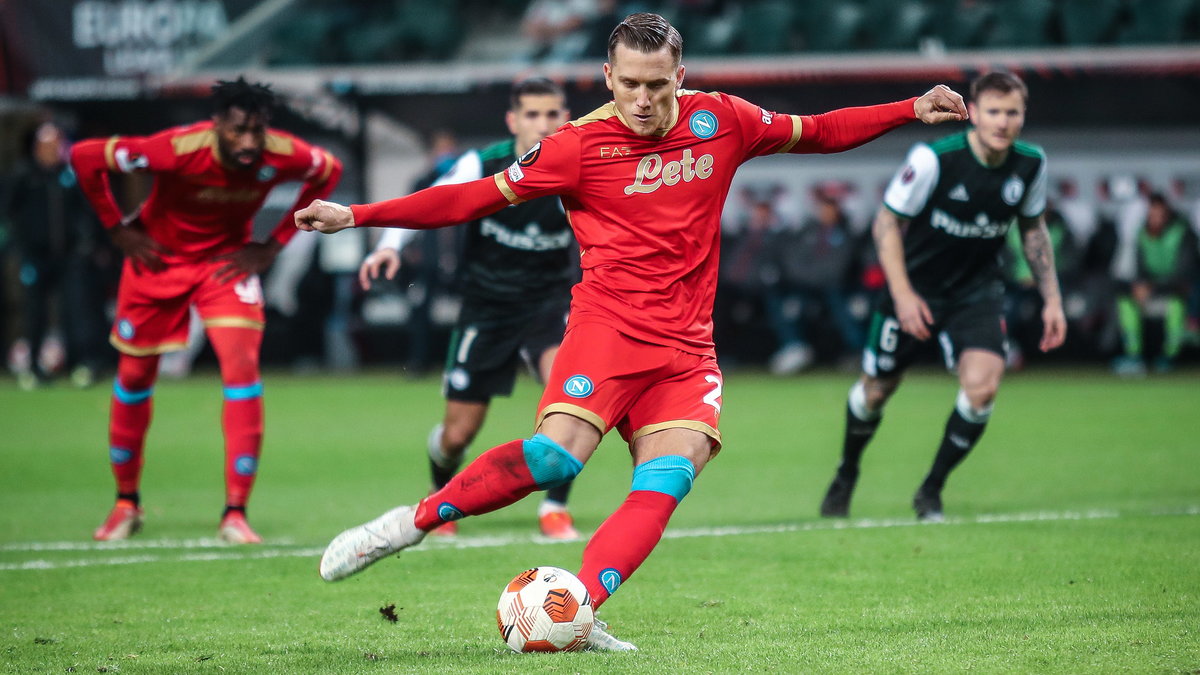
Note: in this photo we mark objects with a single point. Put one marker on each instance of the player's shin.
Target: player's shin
(129, 418)
(963, 429)
(242, 412)
(861, 423)
(497, 478)
(242, 420)
(628, 536)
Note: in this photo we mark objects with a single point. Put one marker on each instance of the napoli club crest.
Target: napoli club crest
(578, 386)
(703, 124)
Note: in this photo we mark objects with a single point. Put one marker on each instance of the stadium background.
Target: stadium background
(1114, 89)
(1070, 544)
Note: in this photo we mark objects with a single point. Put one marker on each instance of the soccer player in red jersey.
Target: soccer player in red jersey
(643, 180)
(189, 244)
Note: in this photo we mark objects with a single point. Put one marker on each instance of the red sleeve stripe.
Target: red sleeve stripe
(110, 149)
(797, 127)
(507, 191)
(329, 162)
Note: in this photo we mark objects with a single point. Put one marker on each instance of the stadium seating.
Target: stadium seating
(1090, 22)
(897, 24)
(831, 26)
(963, 24)
(1022, 23)
(767, 27)
(1158, 21)
(357, 31)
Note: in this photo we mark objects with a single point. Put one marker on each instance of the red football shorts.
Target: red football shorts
(611, 380)
(152, 307)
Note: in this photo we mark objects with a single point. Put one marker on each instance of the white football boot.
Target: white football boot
(600, 640)
(356, 548)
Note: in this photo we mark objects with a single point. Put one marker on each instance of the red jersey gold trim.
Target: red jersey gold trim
(797, 128)
(502, 183)
(604, 112)
(197, 140)
(110, 149)
(329, 162)
(280, 145)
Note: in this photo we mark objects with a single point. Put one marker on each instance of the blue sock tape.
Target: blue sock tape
(130, 397)
(669, 474)
(243, 393)
(550, 463)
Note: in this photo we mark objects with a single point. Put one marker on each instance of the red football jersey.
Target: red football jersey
(646, 210)
(200, 208)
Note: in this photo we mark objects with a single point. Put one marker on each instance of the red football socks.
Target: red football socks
(623, 541)
(129, 417)
(495, 479)
(242, 415)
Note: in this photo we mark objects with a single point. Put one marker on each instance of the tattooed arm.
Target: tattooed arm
(1039, 252)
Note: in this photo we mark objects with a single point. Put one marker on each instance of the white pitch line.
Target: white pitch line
(128, 544)
(266, 552)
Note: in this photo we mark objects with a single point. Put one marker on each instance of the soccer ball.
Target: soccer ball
(545, 609)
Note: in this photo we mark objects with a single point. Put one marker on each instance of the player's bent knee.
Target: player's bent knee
(550, 463)
(670, 474)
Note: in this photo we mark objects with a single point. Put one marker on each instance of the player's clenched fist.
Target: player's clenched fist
(940, 104)
(325, 217)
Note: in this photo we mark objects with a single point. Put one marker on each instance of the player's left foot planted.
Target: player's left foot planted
(558, 525)
(124, 521)
(600, 640)
(837, 499)
(358, 547)
(235, 530)
(928, 507)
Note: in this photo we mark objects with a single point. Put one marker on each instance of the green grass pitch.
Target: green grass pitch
(1073, 541)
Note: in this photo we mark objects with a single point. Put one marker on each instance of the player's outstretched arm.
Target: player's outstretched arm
(438, 206)
(911, 309)
(318, 186)
(324, 217)
(847, 128)
(1039, 252)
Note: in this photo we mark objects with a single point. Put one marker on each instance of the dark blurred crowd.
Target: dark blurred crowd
(798, 280)
(799, 276)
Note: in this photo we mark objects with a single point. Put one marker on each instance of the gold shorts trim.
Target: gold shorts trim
(233, 322)
(680, 424)
(133, 350)
(574, 411)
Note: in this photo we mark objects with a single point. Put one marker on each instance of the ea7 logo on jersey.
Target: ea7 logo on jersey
(652, 173)
(128, 163)
(609, 151)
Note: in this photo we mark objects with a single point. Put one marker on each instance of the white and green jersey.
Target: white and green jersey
(959, 212)
(520, 255)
